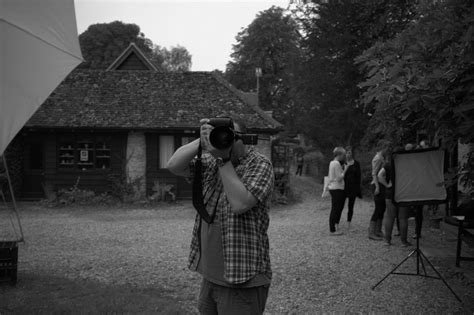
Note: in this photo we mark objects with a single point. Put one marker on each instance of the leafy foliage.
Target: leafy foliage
(424, 77)
(270, 42)
(102, 43)
(172, 60)
(336, 32)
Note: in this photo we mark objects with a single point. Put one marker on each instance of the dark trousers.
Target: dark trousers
(216, 299)
(418, 219)
(299, 170)
(350, 207)
(379, 208)
(338, 197)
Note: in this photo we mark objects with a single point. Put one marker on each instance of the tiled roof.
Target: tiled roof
(144, 100)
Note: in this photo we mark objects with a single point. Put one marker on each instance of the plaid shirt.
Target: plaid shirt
(244, 236)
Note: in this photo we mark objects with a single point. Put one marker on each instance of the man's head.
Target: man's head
(239, 148)
(409, 146)
(349, 152)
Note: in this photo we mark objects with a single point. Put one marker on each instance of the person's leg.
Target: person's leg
(341, 200)
(398, 224)
(249, 301)
(403, 213)
(389, 219)
(299, 170)
(379, 207)
(333, 213)
(380, 214)
(206, 302)
(350, 208)
(418, 221)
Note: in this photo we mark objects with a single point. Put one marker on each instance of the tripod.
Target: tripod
(419, 261)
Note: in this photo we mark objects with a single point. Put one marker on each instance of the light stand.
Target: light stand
(419, 261)
(418, 179)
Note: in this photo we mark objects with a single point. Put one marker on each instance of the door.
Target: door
(33, 179)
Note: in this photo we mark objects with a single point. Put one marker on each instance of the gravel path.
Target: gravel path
(134, 260)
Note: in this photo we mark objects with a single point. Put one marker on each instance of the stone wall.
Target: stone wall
(136, 162)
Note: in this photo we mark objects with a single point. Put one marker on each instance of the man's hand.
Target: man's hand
(206, 144)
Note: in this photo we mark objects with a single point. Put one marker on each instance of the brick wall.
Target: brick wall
(136, 162)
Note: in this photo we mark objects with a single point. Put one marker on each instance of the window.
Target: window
(84, 153)
(166, 150)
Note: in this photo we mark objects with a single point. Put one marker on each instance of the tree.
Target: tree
(424, 77)
(336, 32)
(102, 43)
(175, 59)
(270, 42)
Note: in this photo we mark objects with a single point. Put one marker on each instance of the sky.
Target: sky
(206, 28)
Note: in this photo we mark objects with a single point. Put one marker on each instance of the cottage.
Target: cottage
(126, 121)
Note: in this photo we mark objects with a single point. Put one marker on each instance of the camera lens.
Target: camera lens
(221, 137)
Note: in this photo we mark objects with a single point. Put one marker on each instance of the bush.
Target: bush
(123, 189)
(75, 195)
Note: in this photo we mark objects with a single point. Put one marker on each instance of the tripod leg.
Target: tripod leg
(13, 197)
(423, 264)
(439, 275)
(388, 274)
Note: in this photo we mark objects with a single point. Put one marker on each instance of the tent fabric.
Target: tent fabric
(39, 48)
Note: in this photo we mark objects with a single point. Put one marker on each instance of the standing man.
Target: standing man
(232, 251)
(299, 164)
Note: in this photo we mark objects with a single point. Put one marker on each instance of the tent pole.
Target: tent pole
(13, 197)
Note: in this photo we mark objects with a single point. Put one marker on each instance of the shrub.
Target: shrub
(75, 195)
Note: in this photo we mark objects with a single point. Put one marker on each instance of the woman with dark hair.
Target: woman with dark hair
(336, 189)
(351, 183)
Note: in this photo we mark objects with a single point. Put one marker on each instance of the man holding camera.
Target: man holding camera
(229, 246)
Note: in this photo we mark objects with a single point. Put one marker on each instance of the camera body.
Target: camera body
(223, 135)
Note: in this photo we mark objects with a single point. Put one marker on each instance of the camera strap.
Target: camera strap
(198, 199)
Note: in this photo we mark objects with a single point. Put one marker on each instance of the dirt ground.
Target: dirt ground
(134, 260)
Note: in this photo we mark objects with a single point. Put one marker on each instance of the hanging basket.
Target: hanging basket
(8, 261)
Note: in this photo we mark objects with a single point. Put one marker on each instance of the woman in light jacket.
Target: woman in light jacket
(336, 189)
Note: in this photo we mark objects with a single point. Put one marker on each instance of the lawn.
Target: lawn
(133, 259)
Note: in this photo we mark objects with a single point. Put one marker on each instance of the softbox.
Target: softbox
(419, 177)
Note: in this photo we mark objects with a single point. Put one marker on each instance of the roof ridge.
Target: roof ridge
(239, 94)
(132, 47)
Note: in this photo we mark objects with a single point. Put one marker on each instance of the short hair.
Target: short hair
(409, 146)
(338, 151)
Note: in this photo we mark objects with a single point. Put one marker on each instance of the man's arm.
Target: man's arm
(178, 164)
(240, 199)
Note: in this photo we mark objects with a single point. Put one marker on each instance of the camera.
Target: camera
(223, 135)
